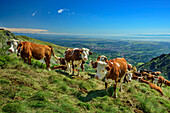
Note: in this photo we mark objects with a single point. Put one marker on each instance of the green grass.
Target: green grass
(25, 88)
(32, 89)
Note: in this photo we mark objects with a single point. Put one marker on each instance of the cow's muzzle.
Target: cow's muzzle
(96, 77)
(18, 54)
(10, 50)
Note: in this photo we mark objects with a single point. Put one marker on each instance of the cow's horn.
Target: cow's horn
(89, 49)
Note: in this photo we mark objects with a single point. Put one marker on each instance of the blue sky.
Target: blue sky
(87, 17)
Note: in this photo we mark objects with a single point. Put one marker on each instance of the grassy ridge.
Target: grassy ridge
(25, 88)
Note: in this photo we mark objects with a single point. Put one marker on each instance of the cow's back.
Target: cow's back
(40, 51)
(119, 67)
(72, 54)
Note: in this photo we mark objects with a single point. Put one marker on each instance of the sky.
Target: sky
(131, 18)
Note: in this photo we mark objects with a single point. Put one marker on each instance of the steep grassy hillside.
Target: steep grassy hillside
(160, 63)
(32, 89)
(28, 89)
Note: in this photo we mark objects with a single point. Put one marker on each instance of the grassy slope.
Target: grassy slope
(25, 88)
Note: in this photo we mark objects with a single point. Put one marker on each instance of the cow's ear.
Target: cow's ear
(106, 60)
(90, 53)
(107, 68)
(98, 58)
(20, 44)
(8, 43)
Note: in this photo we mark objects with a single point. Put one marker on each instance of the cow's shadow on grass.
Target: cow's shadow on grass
(96, 93)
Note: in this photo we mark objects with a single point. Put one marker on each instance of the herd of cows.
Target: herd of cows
(113, 70)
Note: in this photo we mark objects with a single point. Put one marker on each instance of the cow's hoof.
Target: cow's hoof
(115, 96)
(49, 69)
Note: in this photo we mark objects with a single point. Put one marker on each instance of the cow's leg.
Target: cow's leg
(29, 60)
(106, 86)
(47, 61)
(78, 66)
(25, 60)
(82, 67)
(115, 93)
(73, 67)
(161, 84)
(121, 82)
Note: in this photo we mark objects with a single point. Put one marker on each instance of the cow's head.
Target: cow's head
(61, 61)
(84, 53)
(102, 58)
(19, 48)
(13, 45)
(101, 70)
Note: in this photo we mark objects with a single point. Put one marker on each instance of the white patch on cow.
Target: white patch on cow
(111, 62)
(101, 71)
(118, 64)
(102, 58)
(77, 63)
(14, 44)
(156, 79)
(164, 81)
(129, 75)
(85, 53)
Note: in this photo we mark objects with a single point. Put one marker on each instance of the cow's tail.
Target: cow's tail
(53, 52)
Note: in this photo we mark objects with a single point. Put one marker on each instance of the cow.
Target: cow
(76, 57)
(13, 45)
(152, 86)
(148, 76)
(159, 80)
(157, 73)
(112, 71)
(28, 50)
(167, 83)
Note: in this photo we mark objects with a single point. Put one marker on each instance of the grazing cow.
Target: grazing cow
(76, 57)
(167, 83)
(148, 76)
(13, 45)
(145, 70)
(28, 50)
(152, 86)
(157, 73)
(160, 80)
(112, 71)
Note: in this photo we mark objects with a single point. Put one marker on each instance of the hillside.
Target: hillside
(26, 89)
(160, 63)
(33, 89)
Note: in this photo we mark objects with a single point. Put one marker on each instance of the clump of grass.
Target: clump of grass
(84, 105)
(11, 108)
(38, 96)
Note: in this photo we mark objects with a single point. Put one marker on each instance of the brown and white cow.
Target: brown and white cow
(76, 57)
(167, 83)
(28, 50)
(112, 71)
(13, 45)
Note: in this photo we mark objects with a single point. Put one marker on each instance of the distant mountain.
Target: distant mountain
(160, 63)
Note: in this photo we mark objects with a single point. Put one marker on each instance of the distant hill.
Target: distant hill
(160, 63)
